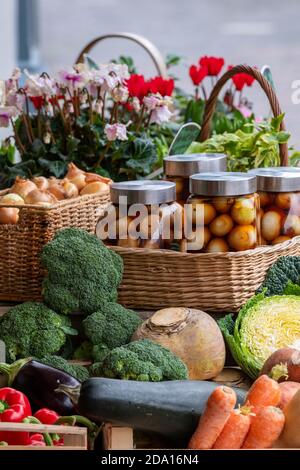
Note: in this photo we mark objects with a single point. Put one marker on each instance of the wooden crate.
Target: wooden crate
(75, 438)
(125, 438)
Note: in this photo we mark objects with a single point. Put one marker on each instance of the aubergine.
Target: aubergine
(39, 383)
(170, 408)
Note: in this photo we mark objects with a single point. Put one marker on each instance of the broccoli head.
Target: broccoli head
(79, 372)
(32, 329)
(141, 360)
(84, 351)
(112, 325)
(285, 269)
(99, 352)
(82, 272)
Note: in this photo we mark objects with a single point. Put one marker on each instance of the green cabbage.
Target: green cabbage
(263, 325)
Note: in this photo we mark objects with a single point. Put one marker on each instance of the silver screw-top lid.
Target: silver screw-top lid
(277, 179)
(222, 184)
(143, 192)
(190, 164)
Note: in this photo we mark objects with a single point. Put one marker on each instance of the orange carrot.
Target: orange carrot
(265, 428)
(235, 430)
(218, 409)
(264, 392)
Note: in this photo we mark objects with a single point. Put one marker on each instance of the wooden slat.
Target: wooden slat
(117, 438)
(41, 428)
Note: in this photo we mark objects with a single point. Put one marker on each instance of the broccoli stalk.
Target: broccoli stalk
(82, 272)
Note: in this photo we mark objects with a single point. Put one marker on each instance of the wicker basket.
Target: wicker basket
(20, 245)
(214, 282)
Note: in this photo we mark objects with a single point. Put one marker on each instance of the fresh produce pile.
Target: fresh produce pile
(45, 192)
(151, 375)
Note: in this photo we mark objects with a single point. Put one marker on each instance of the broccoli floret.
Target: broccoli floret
(113, 325)
(32, 329)
(79, 372)
(141, 360)
(285, 269)
(84, 351)
(82, 272)
(99, 352)
(124, 364)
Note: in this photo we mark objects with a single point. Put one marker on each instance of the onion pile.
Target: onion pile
(45, 192)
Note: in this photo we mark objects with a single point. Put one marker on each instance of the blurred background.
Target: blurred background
(49, 34)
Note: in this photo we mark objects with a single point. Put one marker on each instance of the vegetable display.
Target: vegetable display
(171, 409)
(192, 335)
(263, 325)
(32, 329)
(77, 279)
(141, 360)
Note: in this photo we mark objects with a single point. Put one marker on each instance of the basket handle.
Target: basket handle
(150, 48)
(212, 101)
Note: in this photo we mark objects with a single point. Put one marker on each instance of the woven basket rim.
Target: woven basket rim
(261, 250)
(57, 205)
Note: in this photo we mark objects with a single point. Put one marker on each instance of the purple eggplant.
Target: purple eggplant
(39, 383)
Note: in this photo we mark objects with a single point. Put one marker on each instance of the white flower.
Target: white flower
(72, 79)
(98, 106)
(152, 101)
(120, 94)
(160, 114)
(39, 86)
(115, 131)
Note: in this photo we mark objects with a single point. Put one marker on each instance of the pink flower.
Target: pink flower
(6, 113)
(71, 79)
(160, 114)
(136, 104)
(115, 131)
(120, 94)
(152, 101)
(36, 85)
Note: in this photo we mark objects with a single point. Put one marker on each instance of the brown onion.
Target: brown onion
(73, 170)
(9, 215)
(12, 199)
(94, 188)
(22, 187)
(58, 191)
(53, 181)
(90, 177)
(41, 182)
(70, 189)
(78, 180)
(38, 197)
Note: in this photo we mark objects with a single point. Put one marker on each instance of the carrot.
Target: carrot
(264, 392)
(218, 409)
(235, 431)
(266, 426)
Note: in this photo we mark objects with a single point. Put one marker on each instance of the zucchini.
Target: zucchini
(171, 408)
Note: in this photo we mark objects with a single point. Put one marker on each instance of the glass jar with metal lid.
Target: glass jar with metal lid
(279, 193)
(143, 214)
(178, 168)
(221, 213)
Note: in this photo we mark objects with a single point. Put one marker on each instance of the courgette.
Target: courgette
(171, 408)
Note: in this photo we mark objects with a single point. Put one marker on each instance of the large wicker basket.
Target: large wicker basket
(213, 282)
(20, 245)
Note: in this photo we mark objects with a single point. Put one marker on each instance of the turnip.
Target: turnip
(283, 364)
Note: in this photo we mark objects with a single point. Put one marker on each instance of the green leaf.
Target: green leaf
(56, 168)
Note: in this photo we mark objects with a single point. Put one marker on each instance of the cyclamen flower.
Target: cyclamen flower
(197, 74)
(72, 79)
(160, 114)
(36, 85)
(98, 106)
(120, 94)
(164, 87)
(241, 79)
(152, 101)
(136, 105)
(214, 64)
(115, 131)
(6, 113)
(137, 86)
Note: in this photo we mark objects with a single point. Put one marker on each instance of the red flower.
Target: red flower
(137, 86)
(197, 74)
(242, 79)
(161, 85)
(37, 101)
(214, 64)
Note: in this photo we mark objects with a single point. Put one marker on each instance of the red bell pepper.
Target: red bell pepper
(37, 440)
(46, 416)
(14, 407)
